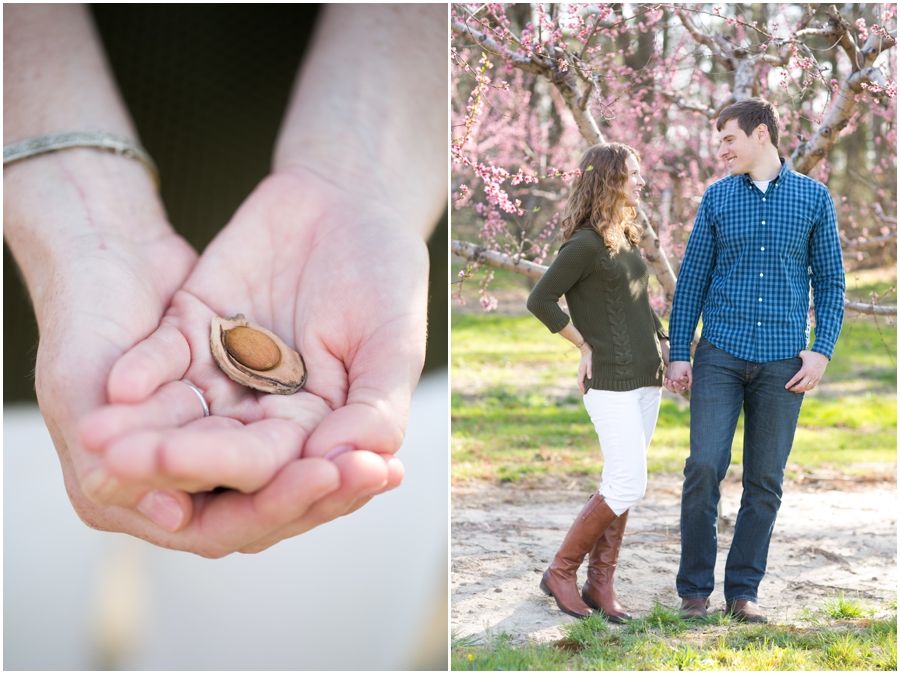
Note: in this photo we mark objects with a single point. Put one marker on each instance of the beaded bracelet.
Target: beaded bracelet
(96, 139)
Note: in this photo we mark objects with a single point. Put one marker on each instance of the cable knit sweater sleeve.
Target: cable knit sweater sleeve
(573, 263)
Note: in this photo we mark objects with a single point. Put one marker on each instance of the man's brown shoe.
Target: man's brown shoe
(598, 591)
(694, 608)
(559, 580)
(744, 610)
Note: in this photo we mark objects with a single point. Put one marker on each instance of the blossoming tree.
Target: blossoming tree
(535, 85)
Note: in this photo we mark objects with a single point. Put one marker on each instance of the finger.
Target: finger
(232, 520)
(396, 473)
(801, 373)
(206, 454)
(163, 357)
(362, 474)
(371, 426)
(395, 477)
(171, 406)
(169, 509)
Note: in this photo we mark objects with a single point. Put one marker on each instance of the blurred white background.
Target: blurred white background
(368, 591)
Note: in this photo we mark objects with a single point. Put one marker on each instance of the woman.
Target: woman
(624, 352)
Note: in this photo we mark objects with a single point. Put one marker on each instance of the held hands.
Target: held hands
(679, 376)
(810, 373)
(323, 275)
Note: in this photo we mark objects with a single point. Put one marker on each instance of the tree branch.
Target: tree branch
(492, 258)
(684, 105)
(869, 309)
(487, 43)
(879, 213)
(704, 39)
(847, 243)
(808, 154)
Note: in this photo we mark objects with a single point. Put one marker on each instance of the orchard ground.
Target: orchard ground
(524, 462)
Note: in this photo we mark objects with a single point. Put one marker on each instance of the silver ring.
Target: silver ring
(199, 395)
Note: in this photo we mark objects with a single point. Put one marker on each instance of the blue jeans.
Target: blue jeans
(722, 385)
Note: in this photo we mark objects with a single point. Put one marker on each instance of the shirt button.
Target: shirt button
(764, 222)
(762, 248)
(764, 198)
(760, 299)
(760, 274)
(759, 323)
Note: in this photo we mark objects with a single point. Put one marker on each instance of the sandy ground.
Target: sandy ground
(832, 534)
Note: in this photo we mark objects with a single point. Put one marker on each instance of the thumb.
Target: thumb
(163, 357)
(374, 417)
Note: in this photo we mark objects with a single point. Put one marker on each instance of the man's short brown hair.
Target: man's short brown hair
(750, 114)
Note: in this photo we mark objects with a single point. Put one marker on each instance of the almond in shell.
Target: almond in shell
(255, 357)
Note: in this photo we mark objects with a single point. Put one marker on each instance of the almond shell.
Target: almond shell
(288, 377)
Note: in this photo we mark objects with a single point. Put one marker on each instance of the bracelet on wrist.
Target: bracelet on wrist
(100, 140)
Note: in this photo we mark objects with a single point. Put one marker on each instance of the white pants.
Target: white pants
(625, 422)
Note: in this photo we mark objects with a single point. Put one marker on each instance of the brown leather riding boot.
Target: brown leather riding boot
(559, 580)
(598, 591)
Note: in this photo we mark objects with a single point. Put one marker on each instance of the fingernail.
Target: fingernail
(337, 451)
(162, 509)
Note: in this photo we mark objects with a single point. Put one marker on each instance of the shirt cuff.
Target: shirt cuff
(823, 349)
(679, 353)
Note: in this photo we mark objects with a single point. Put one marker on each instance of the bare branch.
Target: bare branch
(847, 243)
(879, 213)
(848, 44)
(869, 309)
(684, 105)
(704, 39)
(492, 258)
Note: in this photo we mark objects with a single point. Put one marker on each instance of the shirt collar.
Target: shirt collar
(781, 173)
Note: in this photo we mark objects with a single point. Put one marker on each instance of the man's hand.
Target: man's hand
(679, 376)
(809, 374)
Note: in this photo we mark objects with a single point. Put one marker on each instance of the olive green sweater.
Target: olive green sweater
(607, 297)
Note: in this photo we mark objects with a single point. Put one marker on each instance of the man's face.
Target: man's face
(740, 151)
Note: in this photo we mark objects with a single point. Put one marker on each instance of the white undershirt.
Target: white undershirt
(763, 186)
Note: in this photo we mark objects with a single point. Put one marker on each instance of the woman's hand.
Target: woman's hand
(585, 367)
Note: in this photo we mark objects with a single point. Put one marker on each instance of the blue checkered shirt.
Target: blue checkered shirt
(748, 267)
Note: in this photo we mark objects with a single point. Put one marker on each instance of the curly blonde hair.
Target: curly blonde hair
(598, 198)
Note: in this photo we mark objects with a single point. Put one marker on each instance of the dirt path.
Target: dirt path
(831, 535)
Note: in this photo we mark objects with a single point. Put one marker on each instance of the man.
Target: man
(761, 237)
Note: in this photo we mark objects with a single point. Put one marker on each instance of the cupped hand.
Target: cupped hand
(98, 287)
(339, 279)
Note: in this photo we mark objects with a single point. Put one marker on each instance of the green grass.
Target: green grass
(663, 642)
(517, 413)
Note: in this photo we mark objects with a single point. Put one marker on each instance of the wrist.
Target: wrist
(76, 201)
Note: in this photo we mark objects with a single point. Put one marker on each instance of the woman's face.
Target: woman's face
(634, 183)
